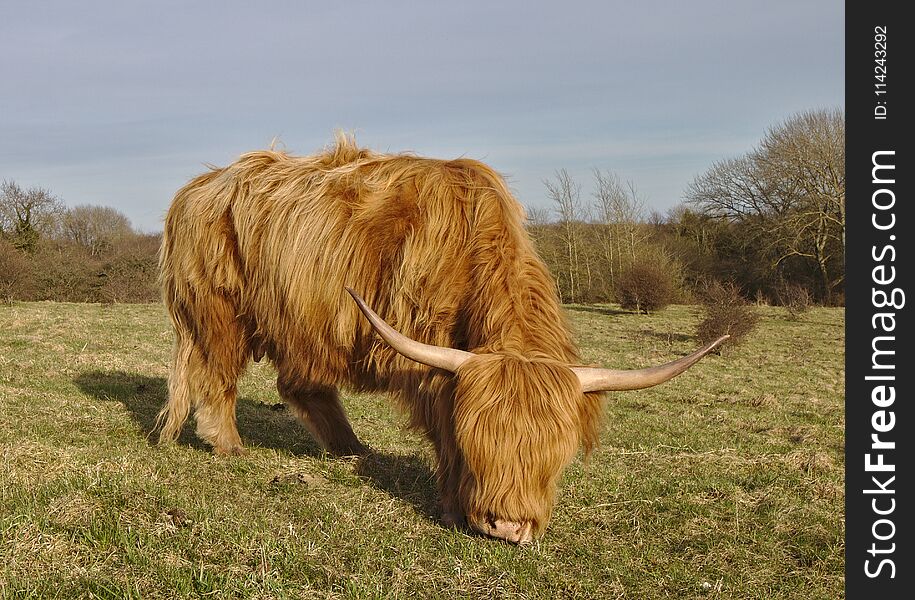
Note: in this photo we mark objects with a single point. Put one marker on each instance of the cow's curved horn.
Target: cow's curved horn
(594, 379)
(433, 356)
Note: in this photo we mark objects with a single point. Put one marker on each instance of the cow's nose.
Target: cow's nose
(510, 531)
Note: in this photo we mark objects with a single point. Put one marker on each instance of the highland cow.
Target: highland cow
(257, 258)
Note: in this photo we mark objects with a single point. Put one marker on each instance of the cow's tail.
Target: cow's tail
(171, 268)
(175, 412)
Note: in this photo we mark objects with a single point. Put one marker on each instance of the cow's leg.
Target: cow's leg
(210, 354)
(448, 475)
(225, 351)
(432, 412)
(318, 408)
(215, 411)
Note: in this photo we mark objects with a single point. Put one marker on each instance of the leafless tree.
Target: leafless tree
(790, 191)
(737, 188)
(806, 156)
(565, 194)
(537, 216)
(25, 215)
(617, 209)
(96, 228)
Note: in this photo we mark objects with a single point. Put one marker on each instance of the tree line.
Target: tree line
(85, 253)
(769, 224)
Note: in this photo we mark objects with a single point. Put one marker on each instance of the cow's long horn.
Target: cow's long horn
(433, 356)
(594, 379)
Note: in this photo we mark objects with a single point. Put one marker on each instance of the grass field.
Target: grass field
(727, 482)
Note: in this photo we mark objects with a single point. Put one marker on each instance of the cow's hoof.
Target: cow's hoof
(510, 531)
(230, 450)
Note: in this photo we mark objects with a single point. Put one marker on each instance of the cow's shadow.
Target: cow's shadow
(405, 477)
(264, 425)
(268, 426)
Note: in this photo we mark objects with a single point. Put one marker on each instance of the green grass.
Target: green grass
(724, 483)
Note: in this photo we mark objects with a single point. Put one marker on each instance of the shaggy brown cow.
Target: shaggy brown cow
(256, 258)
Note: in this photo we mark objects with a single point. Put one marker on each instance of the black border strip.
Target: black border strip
(869, 248)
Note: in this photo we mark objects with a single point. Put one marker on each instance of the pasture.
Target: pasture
(727, 482)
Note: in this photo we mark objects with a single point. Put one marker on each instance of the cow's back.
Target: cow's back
(283, 236)
(436, 247)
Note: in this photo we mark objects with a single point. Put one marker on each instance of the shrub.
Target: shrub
(129, 277)
(83, 254)
(726, 313)
(15, 273)
(648, 284)
(795, 298)
(64, 273)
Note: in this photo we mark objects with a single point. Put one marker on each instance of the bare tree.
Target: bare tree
(566, 196)
(737, 188)
(545, 235)
(618, 209)
(97, 228)
(789, 192)
(806, 156)
(537, 216)
(25, 215)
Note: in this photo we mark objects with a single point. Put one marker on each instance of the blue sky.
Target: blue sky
(120, 103)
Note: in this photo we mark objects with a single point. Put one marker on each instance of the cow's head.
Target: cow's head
(518, 421)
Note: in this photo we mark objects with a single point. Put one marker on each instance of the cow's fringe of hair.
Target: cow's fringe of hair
(519, 423)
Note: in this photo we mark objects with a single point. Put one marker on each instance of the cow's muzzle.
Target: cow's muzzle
(510, 531)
